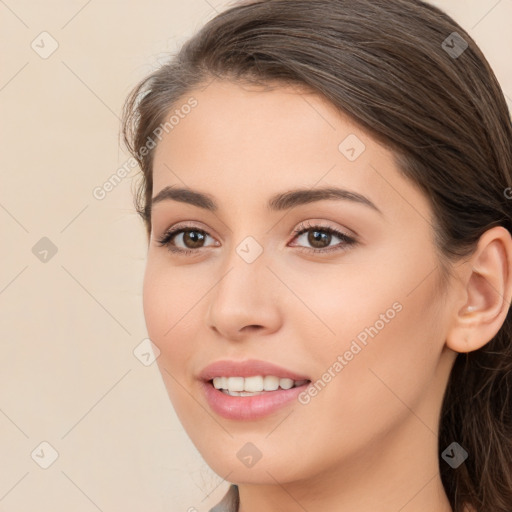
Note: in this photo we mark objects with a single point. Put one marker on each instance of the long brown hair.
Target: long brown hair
(415, 80)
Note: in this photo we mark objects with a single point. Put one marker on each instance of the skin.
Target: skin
(368, 440)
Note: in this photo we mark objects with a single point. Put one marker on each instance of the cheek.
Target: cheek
(395, 377)
(387, 330)
(168, 305)
(170, 310)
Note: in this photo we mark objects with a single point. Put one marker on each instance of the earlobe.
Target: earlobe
(486, 287)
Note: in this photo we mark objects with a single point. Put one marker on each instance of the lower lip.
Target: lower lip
(249, 407)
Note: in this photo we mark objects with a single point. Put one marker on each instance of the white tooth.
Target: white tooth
(286, 383)
(253, 384)
(235, 383)
(241, 393)
(270, 383)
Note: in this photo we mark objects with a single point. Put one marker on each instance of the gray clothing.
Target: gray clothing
(230, 501)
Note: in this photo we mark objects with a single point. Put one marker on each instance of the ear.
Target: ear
(484, 292)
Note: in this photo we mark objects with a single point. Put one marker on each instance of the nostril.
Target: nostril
(252, 328)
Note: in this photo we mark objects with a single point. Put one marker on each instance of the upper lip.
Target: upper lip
(247, 368)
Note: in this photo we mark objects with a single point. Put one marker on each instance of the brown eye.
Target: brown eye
(189, 238)
(192, 238)
(320, 237)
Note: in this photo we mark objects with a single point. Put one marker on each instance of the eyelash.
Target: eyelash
(165, 239)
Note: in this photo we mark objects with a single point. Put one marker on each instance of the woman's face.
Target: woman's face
(359, 317)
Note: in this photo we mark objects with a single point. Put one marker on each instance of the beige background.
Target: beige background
(69, 325)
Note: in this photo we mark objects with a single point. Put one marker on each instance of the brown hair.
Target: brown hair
(399, 71)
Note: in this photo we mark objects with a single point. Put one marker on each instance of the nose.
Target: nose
(245, 300)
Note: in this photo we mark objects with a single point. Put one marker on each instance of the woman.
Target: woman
(326, 188)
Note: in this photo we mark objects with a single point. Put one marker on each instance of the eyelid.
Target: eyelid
(317, 223)
(184, 225)
(169, 233)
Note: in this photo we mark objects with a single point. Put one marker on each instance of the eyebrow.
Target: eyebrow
(279, 202)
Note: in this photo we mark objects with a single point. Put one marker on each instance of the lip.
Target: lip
(247, 368)
(248, 407)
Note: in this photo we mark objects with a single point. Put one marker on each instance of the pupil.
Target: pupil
(317, 236)
(194, 235)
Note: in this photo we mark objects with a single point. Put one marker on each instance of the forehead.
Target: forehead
(250, 127)
(249, 142)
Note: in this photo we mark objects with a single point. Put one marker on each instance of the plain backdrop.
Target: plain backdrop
(76, 392)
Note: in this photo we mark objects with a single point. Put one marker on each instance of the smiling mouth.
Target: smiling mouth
(255, 385)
